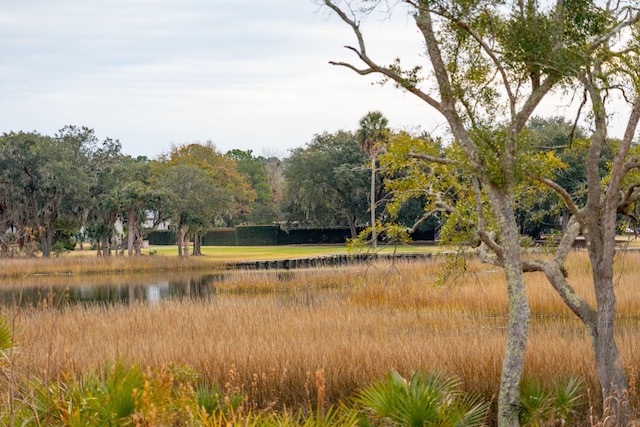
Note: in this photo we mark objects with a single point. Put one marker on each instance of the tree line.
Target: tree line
(68, 189)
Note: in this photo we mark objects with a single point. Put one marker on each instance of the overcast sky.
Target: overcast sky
(152, 73)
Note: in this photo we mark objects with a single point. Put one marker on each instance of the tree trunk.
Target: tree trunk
(374, 234)
(600, 233)
(613, 380)
(197, 244)
(565, 220)
(352, 226)
(179, 239)
(185, 243)
(519, 311)
(45, 247)
(132, 222)
(598, 321)
(106, 249)
(138, 245)
(46, 242)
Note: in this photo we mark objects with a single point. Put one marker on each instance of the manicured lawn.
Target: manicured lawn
(235, 253)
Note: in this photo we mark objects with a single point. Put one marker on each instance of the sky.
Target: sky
(252, 75)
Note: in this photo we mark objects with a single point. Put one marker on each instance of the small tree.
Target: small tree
(371, 136)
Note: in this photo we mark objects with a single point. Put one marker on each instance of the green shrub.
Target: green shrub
(558, 406)
(214, 402)
(91, 400)
(423, 400)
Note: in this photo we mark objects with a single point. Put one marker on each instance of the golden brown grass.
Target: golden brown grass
(74, 265)
(355, 324)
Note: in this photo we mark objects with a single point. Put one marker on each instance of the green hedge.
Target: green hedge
(162, 237)
(220, 237)
(257, 235)
(297, 236)
(271, 235)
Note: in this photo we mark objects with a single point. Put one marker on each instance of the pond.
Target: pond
(60, 291)
(111, 289)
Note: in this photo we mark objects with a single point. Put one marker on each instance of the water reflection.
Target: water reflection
(115, 289)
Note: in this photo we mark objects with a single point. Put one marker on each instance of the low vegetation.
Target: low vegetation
(306, 348)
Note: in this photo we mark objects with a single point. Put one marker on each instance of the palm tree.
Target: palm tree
(371, 136)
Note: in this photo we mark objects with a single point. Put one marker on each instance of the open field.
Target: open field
(355, 324)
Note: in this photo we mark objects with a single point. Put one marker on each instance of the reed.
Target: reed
(75, 265)
(354, 325)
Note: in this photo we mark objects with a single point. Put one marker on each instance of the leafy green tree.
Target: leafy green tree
(109, 172)
(47, 178)
(426, 185)
(491, 64)
(325, 183)
(613, 60)
(138, 199)
(264, 210)
(203, 188)
(192, 202)
(539, 208)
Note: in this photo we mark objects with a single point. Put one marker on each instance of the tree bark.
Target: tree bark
(374, 234)
(600, 234)
(519, 311)
(352, 226)
(138, 245)
(46, 241)
(613, 380)
(179, 240)
(185, 243)
(106, 249)
(197, 244)
(132, 231)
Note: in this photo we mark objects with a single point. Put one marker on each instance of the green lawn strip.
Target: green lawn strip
(246, 253)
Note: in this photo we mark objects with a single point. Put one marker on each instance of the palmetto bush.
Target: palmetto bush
(107, 399)
(556, 406)
(423, 400)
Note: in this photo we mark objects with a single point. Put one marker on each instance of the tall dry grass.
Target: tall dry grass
(355, 324)
(74, 265)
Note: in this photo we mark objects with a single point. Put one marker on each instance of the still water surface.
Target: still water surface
(60, 291)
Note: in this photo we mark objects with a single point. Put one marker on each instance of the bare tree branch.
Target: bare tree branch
(373, 67)
(616, 30)
(572, 231)
(573, 208)
(361, 71)
(633, 163)
(433, 159)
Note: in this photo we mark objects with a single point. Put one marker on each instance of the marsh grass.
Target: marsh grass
(76, 265)
(354, 324)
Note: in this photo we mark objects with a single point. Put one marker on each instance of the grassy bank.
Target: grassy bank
(165, 258)
(352, 324)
